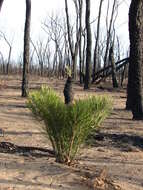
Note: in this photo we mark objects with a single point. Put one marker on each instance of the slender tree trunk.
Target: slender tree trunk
(68, 27)
(69, 39)
(109, 34)
(26, 56)
(74, 65)
(88, 48)
(80, 40)
(8, 62)
(123, 75)
(84, 53)
(134, 89)
(9, 54)
(3, 66)
(74, 47)
(96, 43)
(112, 61)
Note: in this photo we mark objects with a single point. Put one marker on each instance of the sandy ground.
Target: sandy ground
(119, 148)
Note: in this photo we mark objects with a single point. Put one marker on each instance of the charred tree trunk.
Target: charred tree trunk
(9, 54)
(26, 52)
(109, 33)
(123, 75)
(8, 62)
(73, 51)
(88, 48)
(134, 89)
(97, 43)
(112, 61)
(68, 91)
(80, 40)
(1, 2)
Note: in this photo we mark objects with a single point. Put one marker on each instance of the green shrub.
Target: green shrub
(67, 126)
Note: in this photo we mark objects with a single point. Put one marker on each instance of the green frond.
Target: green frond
(68, 126)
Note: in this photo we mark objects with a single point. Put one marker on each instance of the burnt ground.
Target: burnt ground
(27, 160)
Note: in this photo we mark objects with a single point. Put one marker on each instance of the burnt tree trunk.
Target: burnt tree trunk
(87, 81)
(109, 33)
(26, 56)
(134, 88)
(8, 62)
(74, 47)
(96, 55)
(80, 40)
(112, 61)
(68, 91)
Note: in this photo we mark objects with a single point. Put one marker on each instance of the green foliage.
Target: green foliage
(67, 125)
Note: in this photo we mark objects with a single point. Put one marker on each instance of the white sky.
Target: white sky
(12, 18)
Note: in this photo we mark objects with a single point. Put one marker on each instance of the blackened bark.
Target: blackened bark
(80, 40)
(68, 91)
(134, 89)
(97, 43)
(26, 53)
(123, 75)
(1, 2)
(112, 61)
(87, 81)
(109, 33)
(8, 63)
(73, 49)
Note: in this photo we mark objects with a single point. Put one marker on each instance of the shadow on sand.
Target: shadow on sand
(10, 148)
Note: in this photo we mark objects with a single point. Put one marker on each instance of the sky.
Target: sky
(12, 18)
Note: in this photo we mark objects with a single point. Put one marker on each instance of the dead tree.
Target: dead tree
(135, 81)
(81, 64)
(88, 48)
(123, 75)
(55, 29)
(73, 46)
(41, 51)
(67, 57)
(107, 71)
(2, 63)
(112, 61)
(97, 42)
(10, 50)
(26, 52)
(109, 28)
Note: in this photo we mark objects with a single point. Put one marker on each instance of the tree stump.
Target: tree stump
(68, 91)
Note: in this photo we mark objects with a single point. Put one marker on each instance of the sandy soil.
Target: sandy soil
(118, 148)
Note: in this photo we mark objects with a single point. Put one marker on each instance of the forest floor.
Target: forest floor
(118, 148)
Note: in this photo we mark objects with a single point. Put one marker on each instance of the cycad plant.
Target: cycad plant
(69, 125)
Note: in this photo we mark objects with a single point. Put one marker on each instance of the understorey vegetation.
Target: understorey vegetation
(68, 125)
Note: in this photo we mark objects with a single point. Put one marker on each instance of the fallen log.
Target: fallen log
(99, 74)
